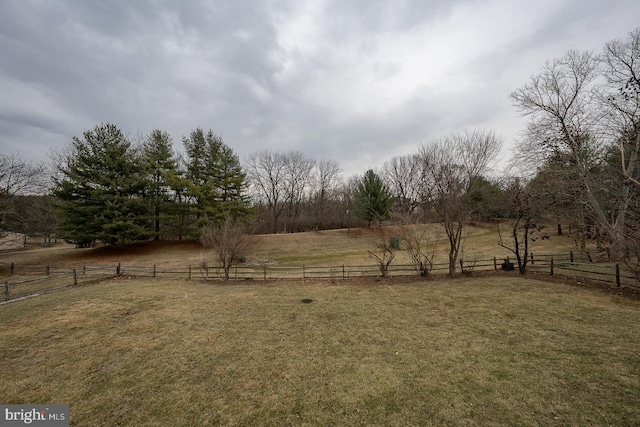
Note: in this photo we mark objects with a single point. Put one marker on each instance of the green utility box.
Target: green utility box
(395, 242)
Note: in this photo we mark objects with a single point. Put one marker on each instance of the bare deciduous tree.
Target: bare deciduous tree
(267, 173)
(419, 246)
(229, 241)
(327, 176)
(33, 215)
(297, 179)
(346, 194)
(450, 166)
(282, 181)
(564, 105)
(402, 174)
(383, 251)
(526, 209)
(19, 177)
(621, 59)
(621, 68)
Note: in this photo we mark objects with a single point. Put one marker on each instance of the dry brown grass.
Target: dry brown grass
(325, 248)
(484, 351)
(166, 253)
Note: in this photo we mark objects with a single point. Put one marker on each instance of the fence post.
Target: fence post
(531, 258)
(84, 268)
(48, 269)
(571, 257)
(154, 270)
(189, 272)
(118, 270)
(551, 266)
(6, 290)
(264, 269)
(343, 271)
(461, 266)
(13, 266)
(495, 264)
(75, 278)
(618, 275)
(304, 274)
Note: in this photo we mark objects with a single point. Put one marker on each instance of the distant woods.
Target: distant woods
(577, 164)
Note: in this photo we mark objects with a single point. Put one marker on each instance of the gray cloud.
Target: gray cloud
(358, 82)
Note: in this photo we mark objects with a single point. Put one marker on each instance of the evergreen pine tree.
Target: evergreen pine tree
(373, 199)
(232, 185)
(100, 185)
(196, 172)
(162, 170)
(217, 183)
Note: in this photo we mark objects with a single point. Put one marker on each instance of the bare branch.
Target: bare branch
(450, 166)
(229, 242)
(383, 252)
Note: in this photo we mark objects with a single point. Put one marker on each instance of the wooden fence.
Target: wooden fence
(24, 280)
(29, 280)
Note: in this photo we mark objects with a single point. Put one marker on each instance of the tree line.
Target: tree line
(113, 191)
(577, 164)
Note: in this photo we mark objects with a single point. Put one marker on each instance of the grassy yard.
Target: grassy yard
(482, 351)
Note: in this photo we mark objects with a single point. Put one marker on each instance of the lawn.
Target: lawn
(500, 350)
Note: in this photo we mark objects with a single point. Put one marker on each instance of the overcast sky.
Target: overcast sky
(354, 81)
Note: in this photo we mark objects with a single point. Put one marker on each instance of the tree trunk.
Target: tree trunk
(157, 223)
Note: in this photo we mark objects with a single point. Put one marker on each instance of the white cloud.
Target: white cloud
(358, 82)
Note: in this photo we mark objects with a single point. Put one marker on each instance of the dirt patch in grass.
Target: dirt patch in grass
(137, 249)
(484, 351)
(140, 253)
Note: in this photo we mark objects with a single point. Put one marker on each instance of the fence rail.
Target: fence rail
(31, 279)
(30, 282)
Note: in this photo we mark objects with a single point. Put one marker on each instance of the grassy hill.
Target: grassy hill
(331, 247)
